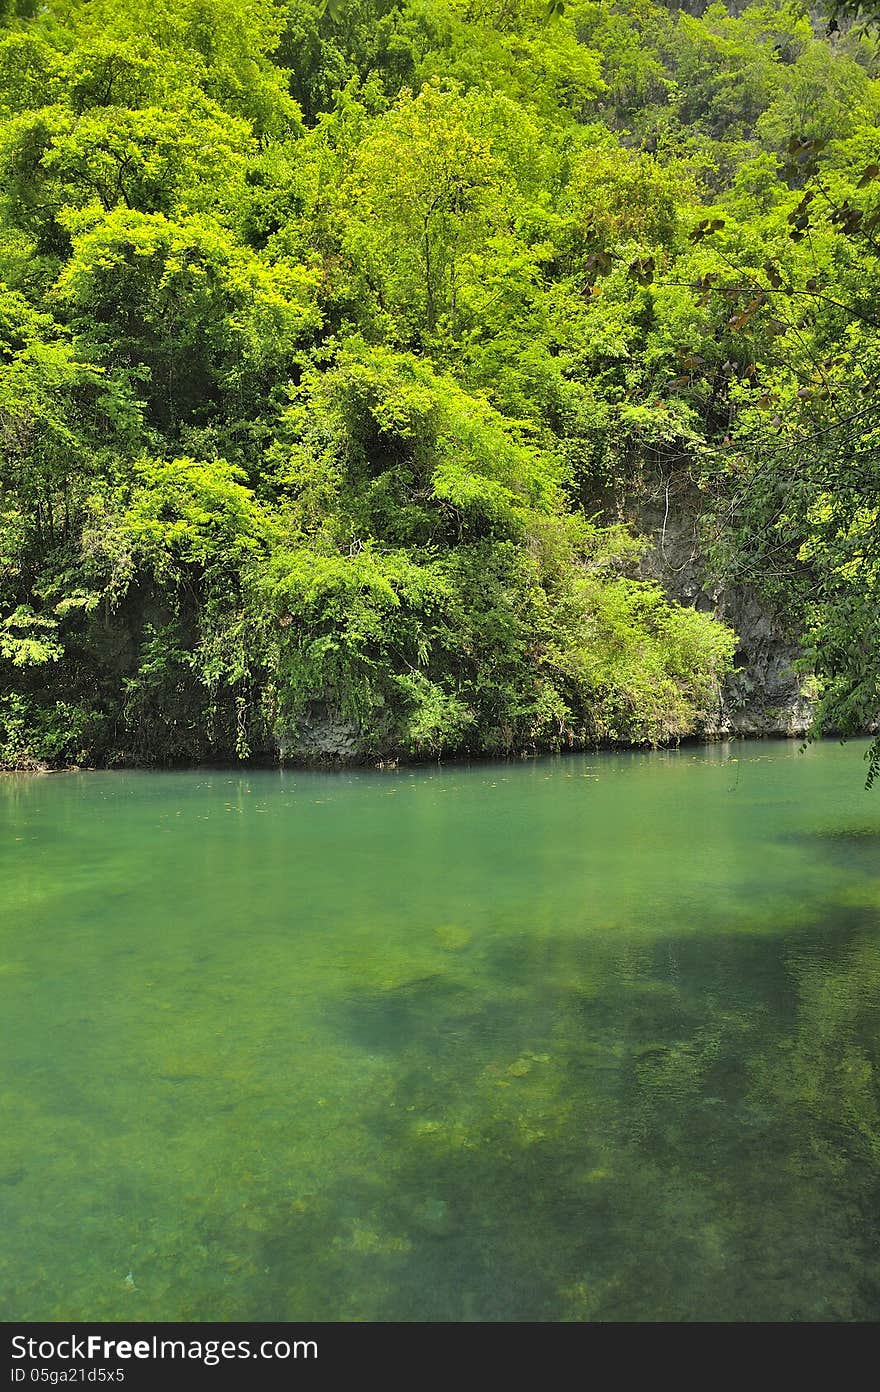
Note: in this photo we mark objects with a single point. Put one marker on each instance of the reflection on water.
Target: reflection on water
(591, 1038)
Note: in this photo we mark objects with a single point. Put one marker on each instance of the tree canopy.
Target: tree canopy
(337, 339)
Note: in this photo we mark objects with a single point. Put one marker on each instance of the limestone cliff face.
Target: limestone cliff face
(765, 694)
(323, 735)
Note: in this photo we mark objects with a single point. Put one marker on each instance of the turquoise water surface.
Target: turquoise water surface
(570, 1039)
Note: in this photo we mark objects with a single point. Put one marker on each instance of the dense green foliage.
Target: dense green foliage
(333, 337)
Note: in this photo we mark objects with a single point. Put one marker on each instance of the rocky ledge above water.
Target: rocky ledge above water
(765, 694)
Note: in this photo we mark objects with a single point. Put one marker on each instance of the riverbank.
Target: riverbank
(326, 763)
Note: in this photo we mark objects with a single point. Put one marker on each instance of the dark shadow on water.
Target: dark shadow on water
(434, 1017)
(601, 1128)
(651, 1148)
(425, 1012)
(854, 848)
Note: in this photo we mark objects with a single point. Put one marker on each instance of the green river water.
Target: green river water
(571, 1039)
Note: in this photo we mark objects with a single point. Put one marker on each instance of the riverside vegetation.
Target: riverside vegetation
(332, 334)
